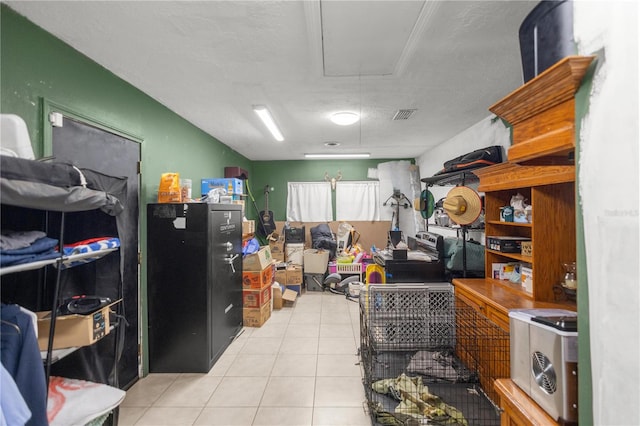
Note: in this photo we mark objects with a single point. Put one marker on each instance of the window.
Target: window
(358, 201)
(309, 202)
(312, 201)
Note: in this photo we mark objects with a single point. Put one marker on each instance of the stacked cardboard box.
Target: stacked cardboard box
(257, 278)
(295, 278)
(248, 226)
(276, 245)
(281, 273)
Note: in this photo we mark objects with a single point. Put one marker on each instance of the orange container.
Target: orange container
(256, 280)
(256, 298)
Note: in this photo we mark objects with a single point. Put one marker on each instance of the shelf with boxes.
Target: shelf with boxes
(549, 239)
(37, 200)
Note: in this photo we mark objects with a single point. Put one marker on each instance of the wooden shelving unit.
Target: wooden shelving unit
(542, 111)
(550, 190)
(540, 167)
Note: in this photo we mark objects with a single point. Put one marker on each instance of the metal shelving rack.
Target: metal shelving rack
(463, 177)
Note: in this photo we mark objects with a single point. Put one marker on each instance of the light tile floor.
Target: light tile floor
(300, 368)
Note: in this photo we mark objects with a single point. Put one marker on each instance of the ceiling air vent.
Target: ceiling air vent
(403, 114)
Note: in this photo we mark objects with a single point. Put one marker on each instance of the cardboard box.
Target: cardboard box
(298, 288)
(257, 280)
(506, 244)
(257, 261)
(289, 298)
(526, 248)
(294, 274)
(315, 261)
(281, 273)
(276, 245)
(248, 226)
(276, 296)
(294, 253)
(256, 317)
(231, 185)
(256, 298)
(74, 330)
(502, 271)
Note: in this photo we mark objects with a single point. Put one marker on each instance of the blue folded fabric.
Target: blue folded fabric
(42, 249)
(96, 246)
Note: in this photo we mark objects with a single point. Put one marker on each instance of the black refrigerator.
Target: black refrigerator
(194, 284)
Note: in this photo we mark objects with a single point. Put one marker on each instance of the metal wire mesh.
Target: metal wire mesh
(428, 359)
(409, 317)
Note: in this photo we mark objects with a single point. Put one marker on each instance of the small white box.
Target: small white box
(502, 271)
(526, 273)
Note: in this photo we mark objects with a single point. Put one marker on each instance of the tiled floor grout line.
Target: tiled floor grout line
(331, 316)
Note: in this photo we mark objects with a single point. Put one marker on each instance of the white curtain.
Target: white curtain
(358, 201)
(309, 202)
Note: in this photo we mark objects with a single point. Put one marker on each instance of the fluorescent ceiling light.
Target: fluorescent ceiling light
(266, 118)
(345, 118)
(362, 155)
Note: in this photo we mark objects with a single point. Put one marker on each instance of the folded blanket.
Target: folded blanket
(97, 245)
(11, 240)
(42, 249)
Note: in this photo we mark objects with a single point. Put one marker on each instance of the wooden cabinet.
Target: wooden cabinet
(550, 191)
(484, 339)
(541, 112)
(518, 408)
(540, 168)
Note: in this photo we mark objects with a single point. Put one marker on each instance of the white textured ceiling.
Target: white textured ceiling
(210, 61)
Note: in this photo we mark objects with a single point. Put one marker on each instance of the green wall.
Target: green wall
(585, 380)
(36, 68)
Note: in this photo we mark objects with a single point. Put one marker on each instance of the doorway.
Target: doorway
(87, 144)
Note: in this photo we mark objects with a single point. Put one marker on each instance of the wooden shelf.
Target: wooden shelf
(540, 168)
(516, 224)
(542, 111)
(513, 176)
(514, 256)
(518, 408)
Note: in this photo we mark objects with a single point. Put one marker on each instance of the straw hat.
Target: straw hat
(463, 205)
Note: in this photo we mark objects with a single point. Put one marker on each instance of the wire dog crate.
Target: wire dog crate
(409, 317)
(428, 359)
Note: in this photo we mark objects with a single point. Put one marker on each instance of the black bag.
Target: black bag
(322, 238)
(473, 160)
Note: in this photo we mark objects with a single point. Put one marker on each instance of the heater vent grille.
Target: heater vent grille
(403, 114)
(543, 372)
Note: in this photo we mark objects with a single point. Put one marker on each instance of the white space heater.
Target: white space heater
(544, 359)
